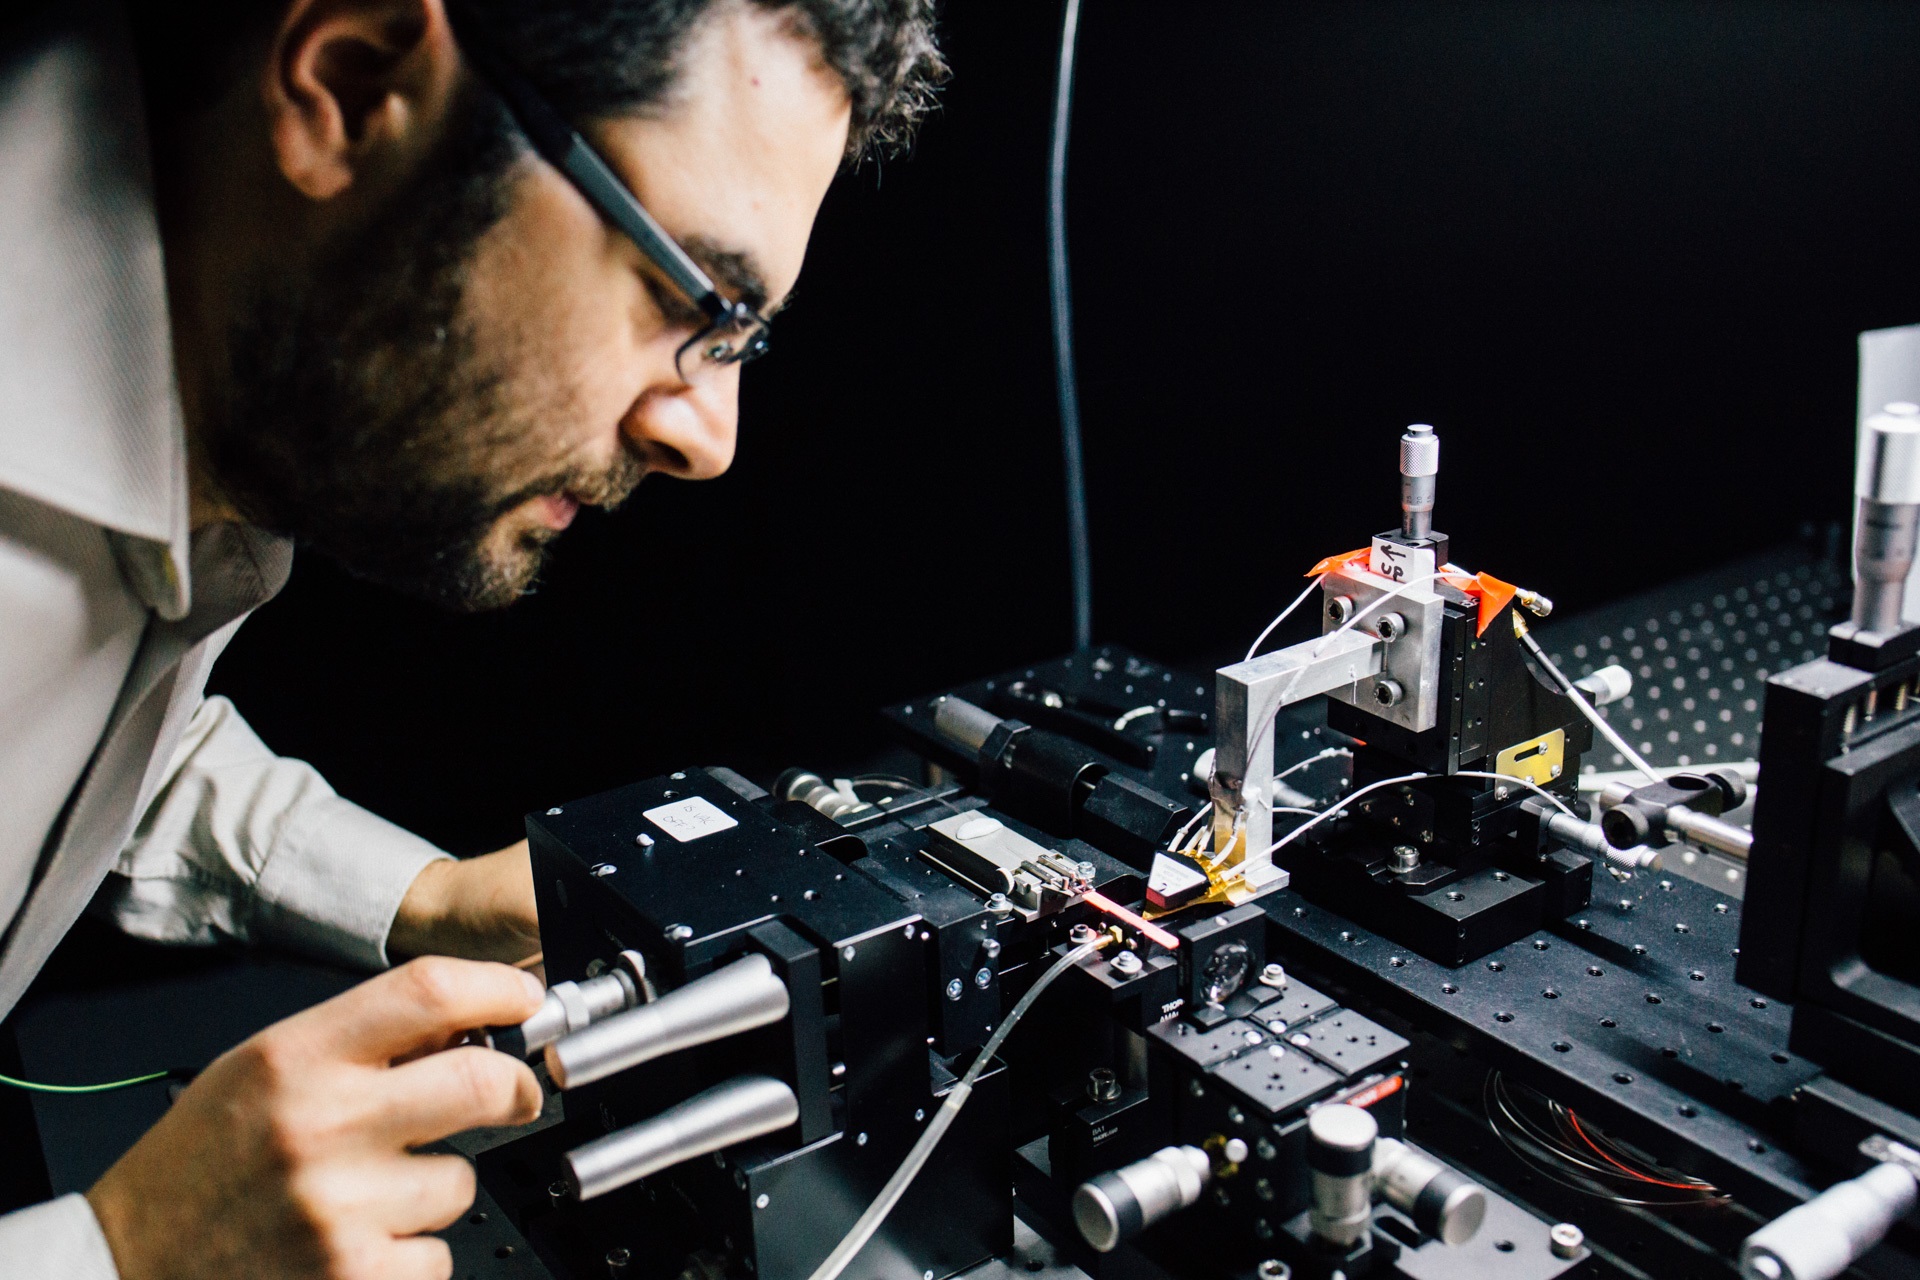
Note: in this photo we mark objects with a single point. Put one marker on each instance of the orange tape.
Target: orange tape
(1339, 562)
(1385, 1089)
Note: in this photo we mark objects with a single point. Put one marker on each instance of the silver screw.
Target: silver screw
(1102, 1084)
(860, 1140)
(1086, 870)
(1273, 975)
(919, 1114)
(1080, 935)
(1390, 627)
(1126, 963)
(679, 776)
(644, 840)
(1403, 859)
(1554, 771)
(956, 989)
(983, 979)
(1274, 1269)
(1566, 1239)
(618, 1260)
(679, 932)
(990, 948)
(999, 905)
(762, 1200)
(603, 869)
(1235, 1150)
(847, 953)
(557, 1191)
(553, 813)
(1500, 791)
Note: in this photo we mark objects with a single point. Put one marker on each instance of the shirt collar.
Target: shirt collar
(90, 418)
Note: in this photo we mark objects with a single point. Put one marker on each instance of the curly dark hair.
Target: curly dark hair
(594, 57)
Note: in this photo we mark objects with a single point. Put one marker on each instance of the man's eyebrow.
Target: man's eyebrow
(735, 271)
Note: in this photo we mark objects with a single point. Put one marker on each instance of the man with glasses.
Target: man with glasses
(406, 282)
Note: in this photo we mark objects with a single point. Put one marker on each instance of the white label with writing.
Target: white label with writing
(1401, 564)
(689, 819)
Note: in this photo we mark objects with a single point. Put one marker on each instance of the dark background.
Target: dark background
(1617, 252)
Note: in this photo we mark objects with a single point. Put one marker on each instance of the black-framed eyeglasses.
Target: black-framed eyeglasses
(734, 333)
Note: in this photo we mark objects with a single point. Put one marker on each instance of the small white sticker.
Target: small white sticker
(689, 819)
(1401, 564)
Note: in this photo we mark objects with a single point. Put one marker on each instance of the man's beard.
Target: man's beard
(361, 419)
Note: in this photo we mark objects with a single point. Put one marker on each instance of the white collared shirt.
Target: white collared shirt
(120, 783)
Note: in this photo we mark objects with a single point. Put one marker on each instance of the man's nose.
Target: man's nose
(688, 431)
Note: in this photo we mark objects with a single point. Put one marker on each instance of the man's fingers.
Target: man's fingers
(421, 1258)
(396, 1195)
(449, 1092)
(419, 1005)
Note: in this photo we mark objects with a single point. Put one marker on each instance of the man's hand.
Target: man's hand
(290, 1155)
(480, 908)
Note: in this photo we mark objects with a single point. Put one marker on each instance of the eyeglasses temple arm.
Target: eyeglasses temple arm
(561, 146)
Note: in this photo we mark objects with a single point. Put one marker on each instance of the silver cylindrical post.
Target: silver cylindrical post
(1340, 1142)
(1441, 1202)
(1709, 832)
(1591, 840)
(1824, 1236)
(960, 721)
(744, 995)
(1887, 490)
(1419, 475)
(1126, 1201)
(740, 1109)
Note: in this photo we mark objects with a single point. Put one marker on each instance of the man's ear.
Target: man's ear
(353, 88)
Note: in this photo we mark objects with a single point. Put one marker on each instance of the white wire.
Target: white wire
(1285, 613)
(869, 1222)
(1327, 753)
(1342, 807)
(1587, 709)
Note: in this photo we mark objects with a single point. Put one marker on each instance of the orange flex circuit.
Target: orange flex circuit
(1146, 928)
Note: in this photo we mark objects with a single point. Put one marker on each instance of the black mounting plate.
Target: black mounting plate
(1627, 1012)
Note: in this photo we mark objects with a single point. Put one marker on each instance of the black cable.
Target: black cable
(1079, 553)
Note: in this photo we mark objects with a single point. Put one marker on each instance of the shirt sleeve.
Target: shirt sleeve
(241, 843)
(59, 1238)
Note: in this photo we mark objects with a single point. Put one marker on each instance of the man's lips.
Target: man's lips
(556, 510)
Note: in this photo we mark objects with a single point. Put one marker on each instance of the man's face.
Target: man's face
(487, 355)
